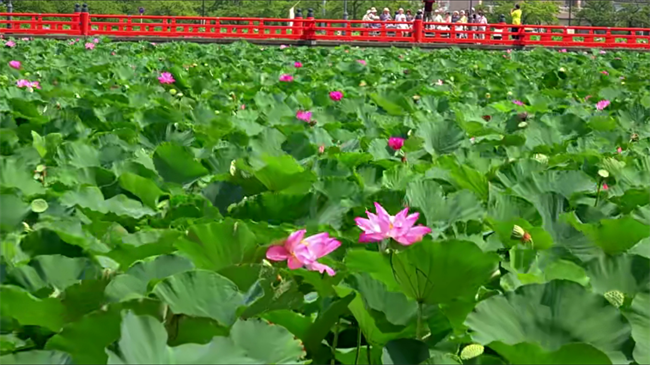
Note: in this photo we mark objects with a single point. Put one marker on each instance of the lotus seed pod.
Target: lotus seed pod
(615, 298)
(173, 91)
(40, 168)
(39, 205)
(517, 233)
(487, 95)
(471, 351)
(541, 158)
(603, 173)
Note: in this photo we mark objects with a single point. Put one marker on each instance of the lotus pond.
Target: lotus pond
(199, 204)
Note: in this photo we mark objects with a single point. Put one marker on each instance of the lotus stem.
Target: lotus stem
(335, 343)
(418, 329)
(356, 357)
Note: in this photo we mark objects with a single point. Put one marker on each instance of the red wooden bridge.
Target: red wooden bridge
(325, 32)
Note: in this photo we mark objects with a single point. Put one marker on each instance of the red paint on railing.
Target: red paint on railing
(310, 29)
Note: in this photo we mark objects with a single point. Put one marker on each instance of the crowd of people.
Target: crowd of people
(461, 20)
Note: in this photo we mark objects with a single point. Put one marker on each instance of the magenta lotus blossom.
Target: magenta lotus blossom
(602, 52)
(96, 40)
(602, 104)
(605, 187)
(286, 78)
(25, 39)
(28, 84)
(297, 64)
(362, 62)
(14, 64)
(382, 226)
(305, 116)
(321, 149)
(509, 51)
(89, 45)
(563, 50)
(336, 95)
(604, 72)
(166, 78)
(242, 107)
(10, 44)
(299, 251)
(283, 46)
(619, 150)
(518, 102)
(396, 143)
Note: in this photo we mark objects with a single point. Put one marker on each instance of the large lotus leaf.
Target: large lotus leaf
(283, 173)
(29, 310)
(440, 137)
(134, 282)
(176, 164)
(91, 197)
(626, 273)
(12, 211)
(143, 341)
(615, 235)
(36, 357)
(56, 271)
(551, 315)
(16, 175)
(201, 293)
(405, 351)
(326, 319)
(85, 339)
(530, 353)
(214, 246)
(443, 211)
(142, 244)
(639, 317)
(146, 190)
(371, 332)
(372, 263)
(440, 271)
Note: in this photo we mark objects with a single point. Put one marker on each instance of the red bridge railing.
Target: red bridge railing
(323, 30)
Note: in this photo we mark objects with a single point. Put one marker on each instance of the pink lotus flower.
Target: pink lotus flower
(113, 53)
(286, 78)
(472, 140)
(305, 116)
(28, 84)
(154, 44)
(619, 150)
(396, 143)
(439, 82)
(321, 149)
(518, 102)
(283, 46)
(508, 51)
(242, 107)
(604, 72)
(362, 62)
(336, 95)
(602, 52)
(14, 64)
(10, 44)
(96, 40)
(299, 251)
(563, 50)
(602, 104)
(90, 45)
(25, 39)
(382, 226)
(166, 78)
(605, 187)
(297, 64)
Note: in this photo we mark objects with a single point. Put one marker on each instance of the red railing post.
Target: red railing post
(310, 26)
(84, 19)
(297, 24)
(418, 28)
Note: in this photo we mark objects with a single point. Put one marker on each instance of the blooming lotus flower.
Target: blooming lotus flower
(518, 102)
(619, 150)
(14, 64)
(299, 251)
(602, 104)
(96, 40)
(321, 149)
(362, 62)
(604, 72)
(166, 78)
(286, 78)
(242, 107)
(10, 44)
(602, 52)
(28, 84)
(396, 143)
(382, 226)
(563, 50)
(283, 46)
(89, 45)
(336, 95)
(25, 39)
(605, 187)
(297, 64)
(508, 51)
(305, 116)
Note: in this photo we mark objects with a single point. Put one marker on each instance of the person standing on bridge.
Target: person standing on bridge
(428, 10)
(516, 19)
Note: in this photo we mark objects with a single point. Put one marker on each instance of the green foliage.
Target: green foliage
(134, 221)
(533, 11)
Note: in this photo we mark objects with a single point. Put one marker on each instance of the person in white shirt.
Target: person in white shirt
(482, 20)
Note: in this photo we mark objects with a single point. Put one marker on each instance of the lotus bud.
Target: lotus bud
(179, 95)
(233, 168)
(517, 233)
(615, 298)
(603, 173)
(471, 351)
(416, 97)
(522, 125)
